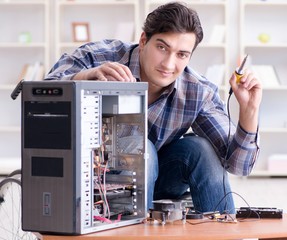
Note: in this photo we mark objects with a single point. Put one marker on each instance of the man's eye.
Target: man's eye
(160, 47)
(182, 55)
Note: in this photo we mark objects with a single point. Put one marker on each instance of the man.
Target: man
(179, 99)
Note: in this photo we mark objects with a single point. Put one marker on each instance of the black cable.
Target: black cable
(225, 167)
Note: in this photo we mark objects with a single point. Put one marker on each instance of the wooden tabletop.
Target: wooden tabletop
(207, 230)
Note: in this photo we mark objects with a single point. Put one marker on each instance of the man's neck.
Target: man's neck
(154, 93)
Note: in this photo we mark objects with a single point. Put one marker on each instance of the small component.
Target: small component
(167, 210)
(193, 214)
(252, 212)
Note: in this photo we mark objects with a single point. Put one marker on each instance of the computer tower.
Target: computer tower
(83, 155)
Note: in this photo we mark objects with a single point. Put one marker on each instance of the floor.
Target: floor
(260, 192)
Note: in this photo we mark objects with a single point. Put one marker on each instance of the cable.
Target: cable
(225, 167)
(101, 171)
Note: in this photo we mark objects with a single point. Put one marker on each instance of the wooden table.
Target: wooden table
(250, 228)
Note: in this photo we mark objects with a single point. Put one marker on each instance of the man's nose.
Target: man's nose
(169, 61)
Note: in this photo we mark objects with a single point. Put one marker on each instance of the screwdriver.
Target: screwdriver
(239, 73)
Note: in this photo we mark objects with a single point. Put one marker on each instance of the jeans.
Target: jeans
(189, 163)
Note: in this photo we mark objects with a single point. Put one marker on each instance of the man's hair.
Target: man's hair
(173, 17)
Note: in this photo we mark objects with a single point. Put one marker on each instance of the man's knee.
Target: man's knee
(152, 154)
(196, 153)
(199, 143)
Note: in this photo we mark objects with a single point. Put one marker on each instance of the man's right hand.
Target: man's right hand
(109, 71)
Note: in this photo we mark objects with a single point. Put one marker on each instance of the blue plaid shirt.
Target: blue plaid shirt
(192, 102)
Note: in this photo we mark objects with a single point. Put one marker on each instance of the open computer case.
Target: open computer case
(83, 155)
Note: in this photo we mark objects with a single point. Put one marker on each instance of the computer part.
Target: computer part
(83, 155)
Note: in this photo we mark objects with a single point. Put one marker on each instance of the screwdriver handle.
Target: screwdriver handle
(239, 71)
(238, 76)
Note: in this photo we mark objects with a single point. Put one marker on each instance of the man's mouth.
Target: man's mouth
(165, 73)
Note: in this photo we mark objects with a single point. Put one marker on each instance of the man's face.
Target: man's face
(164, 57)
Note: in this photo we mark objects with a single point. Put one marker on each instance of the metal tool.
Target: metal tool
(239, 71)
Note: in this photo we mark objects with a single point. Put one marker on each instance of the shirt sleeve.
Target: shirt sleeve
(243, 152)
(88, 56)
(84, 57)
(67, 66)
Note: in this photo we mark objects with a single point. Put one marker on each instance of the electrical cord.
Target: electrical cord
(225, 166)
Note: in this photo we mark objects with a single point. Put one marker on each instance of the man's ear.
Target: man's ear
(143, 40)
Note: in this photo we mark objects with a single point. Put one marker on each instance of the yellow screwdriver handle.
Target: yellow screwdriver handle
(239, 71)
(238, 77)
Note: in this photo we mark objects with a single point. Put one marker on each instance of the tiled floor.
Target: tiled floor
(260, 192)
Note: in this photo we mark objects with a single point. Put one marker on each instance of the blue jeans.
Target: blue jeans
(189, 163)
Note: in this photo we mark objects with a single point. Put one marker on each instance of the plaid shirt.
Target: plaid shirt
(192, 102)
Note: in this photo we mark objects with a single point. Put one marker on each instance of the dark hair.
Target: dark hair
(173, 17)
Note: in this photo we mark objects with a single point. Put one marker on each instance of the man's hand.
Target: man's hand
(249, 95)
(109, 71)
